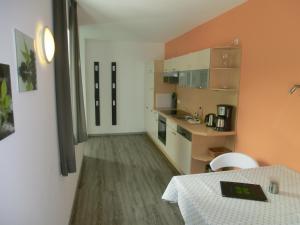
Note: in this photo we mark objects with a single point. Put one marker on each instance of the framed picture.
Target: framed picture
(6, 109)
(26, 64)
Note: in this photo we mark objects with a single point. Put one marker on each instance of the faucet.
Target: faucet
(198, 115)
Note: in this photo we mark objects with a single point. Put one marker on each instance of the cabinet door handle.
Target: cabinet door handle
(174, 133)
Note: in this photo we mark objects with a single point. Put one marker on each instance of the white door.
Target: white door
(130, 86)
(104, 93)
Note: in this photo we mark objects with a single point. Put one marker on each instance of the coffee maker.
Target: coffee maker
(224, 115)
(210, 120)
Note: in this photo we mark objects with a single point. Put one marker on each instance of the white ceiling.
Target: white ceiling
(146, 20)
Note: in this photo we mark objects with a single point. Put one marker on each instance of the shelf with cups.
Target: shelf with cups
(225, 69)
(225, 58)
(224, 79)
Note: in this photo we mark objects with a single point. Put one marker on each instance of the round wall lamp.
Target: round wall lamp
(48, 44)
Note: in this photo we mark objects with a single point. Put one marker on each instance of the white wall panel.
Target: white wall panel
(32, 191)
(130, 58)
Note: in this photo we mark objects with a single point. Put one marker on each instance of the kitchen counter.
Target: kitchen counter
(197, 129)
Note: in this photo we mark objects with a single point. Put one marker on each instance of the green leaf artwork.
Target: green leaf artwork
(6, 109)
(26, 62)
(5, 102)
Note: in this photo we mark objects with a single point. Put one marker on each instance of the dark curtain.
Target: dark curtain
(62, 86)
(80, 132)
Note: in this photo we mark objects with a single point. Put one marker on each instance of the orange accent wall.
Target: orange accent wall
(269, 118)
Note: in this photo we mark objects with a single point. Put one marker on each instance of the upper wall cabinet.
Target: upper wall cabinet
(194, 78)
(198, 60)
(189, 70)
(192, 61)
(168, 65)
(214, 68)
(171, 65)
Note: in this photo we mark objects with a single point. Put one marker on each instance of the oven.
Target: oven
(162, 129)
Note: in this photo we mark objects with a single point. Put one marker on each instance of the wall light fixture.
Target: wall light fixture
(48, 44)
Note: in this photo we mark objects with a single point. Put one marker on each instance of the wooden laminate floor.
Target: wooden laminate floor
(122, 181)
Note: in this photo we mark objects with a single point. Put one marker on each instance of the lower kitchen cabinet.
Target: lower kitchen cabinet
(179, 150)
(153, 124)
(171, 147)
(184, 154)
(147, 120)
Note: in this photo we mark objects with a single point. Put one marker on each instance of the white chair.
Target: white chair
(236, 160)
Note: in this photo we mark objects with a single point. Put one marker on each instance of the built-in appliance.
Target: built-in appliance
(210, 120)
(220, 123)
(162, 129)
(171, 77)
(184, 133)
(224, 117)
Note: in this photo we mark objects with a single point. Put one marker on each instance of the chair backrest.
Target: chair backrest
(237, 160)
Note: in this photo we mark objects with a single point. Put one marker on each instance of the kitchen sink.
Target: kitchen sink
(178, 114)
(183, 117)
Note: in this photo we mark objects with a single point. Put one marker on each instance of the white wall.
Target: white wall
(32, 191)
(131, 58)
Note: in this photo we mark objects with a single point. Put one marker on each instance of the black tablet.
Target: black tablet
(243, 191)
